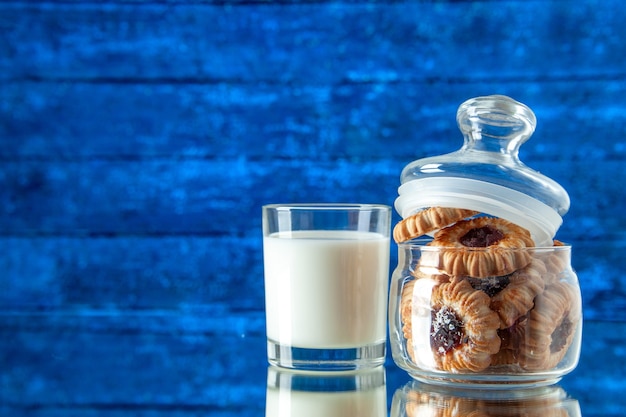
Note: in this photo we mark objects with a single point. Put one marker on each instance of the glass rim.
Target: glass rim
(327, 206)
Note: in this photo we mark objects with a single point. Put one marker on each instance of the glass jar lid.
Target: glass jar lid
(486, 174)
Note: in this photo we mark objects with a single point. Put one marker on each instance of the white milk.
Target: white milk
(326, 289)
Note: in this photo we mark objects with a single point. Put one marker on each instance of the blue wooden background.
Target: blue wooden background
(139, 139)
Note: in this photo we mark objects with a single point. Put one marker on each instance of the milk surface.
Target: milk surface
(326, 289)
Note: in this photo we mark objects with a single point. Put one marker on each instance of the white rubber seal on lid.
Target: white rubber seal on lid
(541, 220)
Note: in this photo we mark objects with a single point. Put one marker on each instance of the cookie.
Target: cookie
(552, 326)
(504, 357)
(463, 330)
(517, 297)
(557, 261)
(427, 221)
(510, 341)
(481, 247)
(416, 303)
(406, 308)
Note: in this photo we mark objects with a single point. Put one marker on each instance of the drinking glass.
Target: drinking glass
(326, 284)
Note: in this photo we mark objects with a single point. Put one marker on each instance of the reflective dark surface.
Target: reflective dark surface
(160, 365)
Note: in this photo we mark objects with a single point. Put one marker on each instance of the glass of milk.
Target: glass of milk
(331, 394)
(326, 284)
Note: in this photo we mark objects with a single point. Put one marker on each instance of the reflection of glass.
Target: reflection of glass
(418, 399)
(342, 394)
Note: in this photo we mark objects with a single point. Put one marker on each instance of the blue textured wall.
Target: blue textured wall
(138, 141)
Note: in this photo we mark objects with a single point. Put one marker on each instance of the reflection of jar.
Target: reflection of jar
(415, 399)
(350, 393)
(482, 293)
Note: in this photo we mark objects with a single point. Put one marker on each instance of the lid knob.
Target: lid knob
(495, 124)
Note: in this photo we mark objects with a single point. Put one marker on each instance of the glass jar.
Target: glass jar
(519, 329)
(417, 399)
(483, 293)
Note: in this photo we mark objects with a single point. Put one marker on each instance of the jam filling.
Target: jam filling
(560, 334)
(490, 285)
(446, 330)
(481, 237)
(510, 336)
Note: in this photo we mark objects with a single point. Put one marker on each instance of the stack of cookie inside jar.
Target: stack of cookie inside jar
(483, 292)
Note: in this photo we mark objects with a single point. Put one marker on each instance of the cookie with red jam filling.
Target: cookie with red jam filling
(481, 247)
